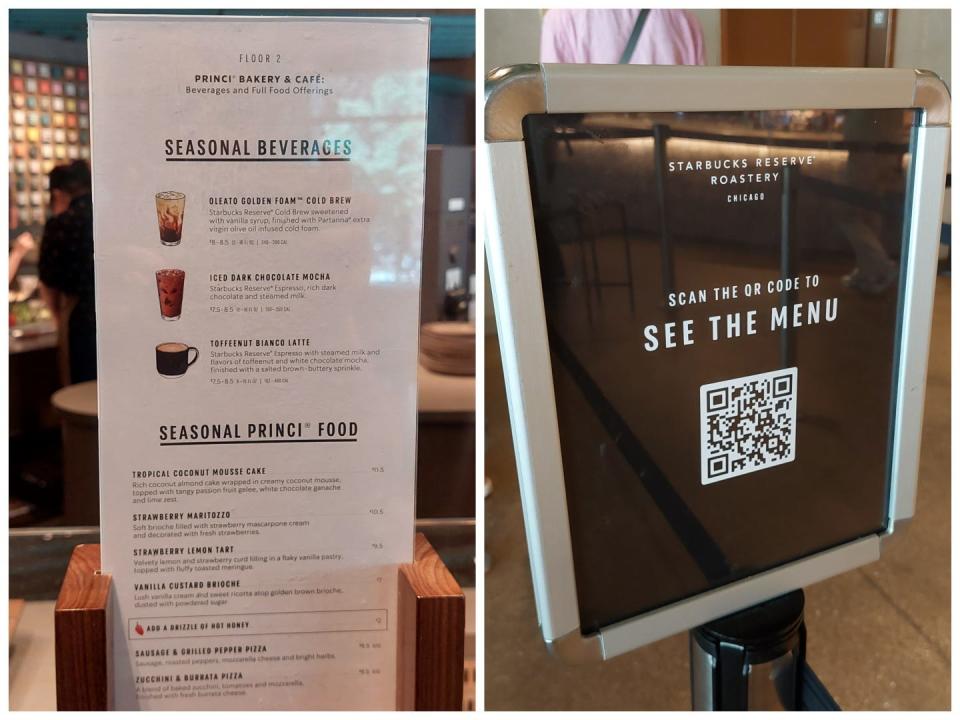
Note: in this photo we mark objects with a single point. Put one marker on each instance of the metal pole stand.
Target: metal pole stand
(755, 660)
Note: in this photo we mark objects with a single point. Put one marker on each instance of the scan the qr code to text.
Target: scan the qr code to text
(747, 424)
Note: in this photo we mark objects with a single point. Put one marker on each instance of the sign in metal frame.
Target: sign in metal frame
(514, 92)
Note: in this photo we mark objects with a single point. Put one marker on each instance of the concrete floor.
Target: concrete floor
(878, 637)
(33, 672)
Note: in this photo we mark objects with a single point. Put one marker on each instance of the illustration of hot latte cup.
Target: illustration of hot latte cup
(170, 292)
(173, 358)
(170, 206)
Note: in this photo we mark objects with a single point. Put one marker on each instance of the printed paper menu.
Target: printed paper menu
(258, 201)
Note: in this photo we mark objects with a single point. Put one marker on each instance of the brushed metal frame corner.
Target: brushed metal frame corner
(931, 94)
(512, 92)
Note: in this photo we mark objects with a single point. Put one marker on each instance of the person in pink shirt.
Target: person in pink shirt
(669, 37)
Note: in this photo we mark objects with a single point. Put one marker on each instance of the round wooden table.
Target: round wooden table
(77, 406)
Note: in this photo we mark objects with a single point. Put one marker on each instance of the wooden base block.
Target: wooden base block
(81, 633)
(431, 614)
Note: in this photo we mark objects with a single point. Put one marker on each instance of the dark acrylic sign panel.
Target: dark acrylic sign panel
(722, 292)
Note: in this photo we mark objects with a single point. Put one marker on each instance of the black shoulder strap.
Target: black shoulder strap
(634, 37)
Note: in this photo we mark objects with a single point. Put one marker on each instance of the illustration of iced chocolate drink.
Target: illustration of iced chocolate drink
(170, 292)
(170, 205)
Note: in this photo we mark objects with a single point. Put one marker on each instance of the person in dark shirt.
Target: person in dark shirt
(66, 270)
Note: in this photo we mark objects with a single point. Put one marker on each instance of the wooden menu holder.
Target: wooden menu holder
(430, 612)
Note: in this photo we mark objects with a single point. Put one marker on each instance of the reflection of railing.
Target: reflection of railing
(788, 261)
(592, 209)
(584, 215)
(660, 135)
(589, 223)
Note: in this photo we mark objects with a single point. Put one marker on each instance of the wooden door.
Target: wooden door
(757, 37)
(806, 38)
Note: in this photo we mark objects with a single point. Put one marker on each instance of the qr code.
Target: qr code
(747, 424)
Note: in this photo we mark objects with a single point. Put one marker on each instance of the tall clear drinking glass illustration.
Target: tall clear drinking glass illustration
(170, 206)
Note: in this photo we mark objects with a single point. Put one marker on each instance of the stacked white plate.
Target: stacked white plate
(448, 347)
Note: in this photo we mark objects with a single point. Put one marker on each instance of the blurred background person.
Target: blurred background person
(66, 270)
(22, 244)
(627, 37)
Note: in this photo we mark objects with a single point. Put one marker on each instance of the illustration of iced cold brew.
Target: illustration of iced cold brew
(170, 206)
(170, 292)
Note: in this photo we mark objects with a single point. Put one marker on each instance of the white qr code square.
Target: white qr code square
(747, 424)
